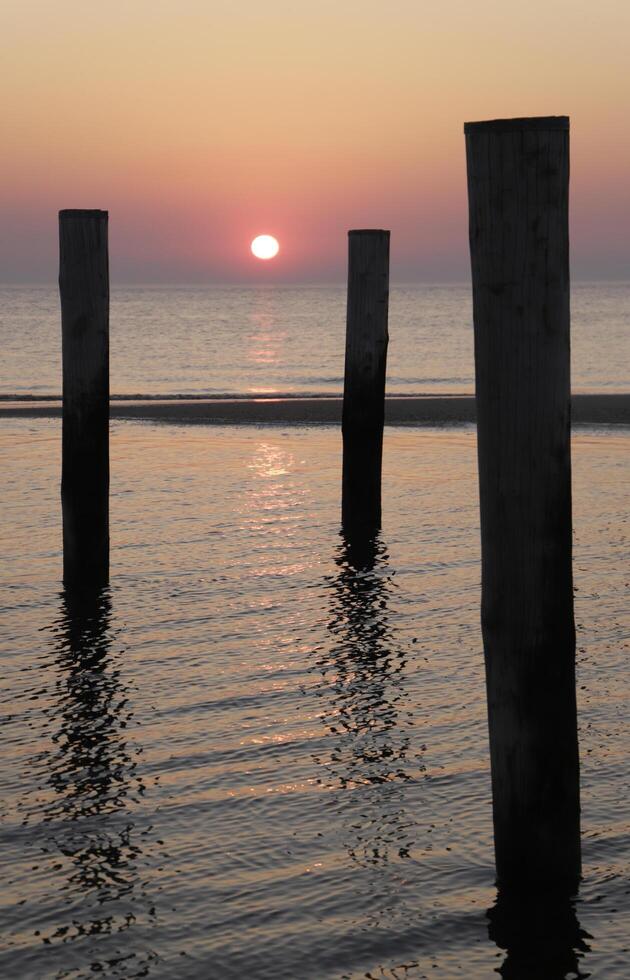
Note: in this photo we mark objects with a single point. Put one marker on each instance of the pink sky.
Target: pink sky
(199, 126)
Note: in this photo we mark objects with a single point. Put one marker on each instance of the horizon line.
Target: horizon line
(160, 283)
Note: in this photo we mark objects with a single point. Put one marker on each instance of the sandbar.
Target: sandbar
(586, 409)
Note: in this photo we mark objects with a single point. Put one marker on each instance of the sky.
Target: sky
(201, 123)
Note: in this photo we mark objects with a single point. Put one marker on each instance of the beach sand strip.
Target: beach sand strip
(587, 409)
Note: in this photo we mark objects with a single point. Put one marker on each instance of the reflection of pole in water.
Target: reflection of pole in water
(92, 772)
(362, 694)
(541, 935)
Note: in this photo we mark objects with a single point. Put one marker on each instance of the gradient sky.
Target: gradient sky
(201, 124)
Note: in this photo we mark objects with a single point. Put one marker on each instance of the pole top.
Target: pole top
(82, 213)
(368, 231)
(520, 124)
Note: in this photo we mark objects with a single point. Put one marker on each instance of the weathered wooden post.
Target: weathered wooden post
(364, 381)
(84, 292)
(518, 185)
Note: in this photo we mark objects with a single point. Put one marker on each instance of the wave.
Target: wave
(226, 396)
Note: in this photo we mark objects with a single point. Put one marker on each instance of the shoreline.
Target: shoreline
(586, 409)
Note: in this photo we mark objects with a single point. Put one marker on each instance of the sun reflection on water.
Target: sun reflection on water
(266, 339)
(271, 509)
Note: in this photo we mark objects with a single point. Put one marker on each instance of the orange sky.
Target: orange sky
(201, 123)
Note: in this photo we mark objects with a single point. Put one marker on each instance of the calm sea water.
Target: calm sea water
(218, 340)
(262, 752)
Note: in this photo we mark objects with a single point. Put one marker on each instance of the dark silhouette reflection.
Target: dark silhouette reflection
(541, 934)
(92, 770)
(363, 696)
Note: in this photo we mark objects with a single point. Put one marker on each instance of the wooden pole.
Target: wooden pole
(364, 381)
(84, 292)
(518, 183)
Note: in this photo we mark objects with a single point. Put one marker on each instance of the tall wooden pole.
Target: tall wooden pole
(84, 292)
(518, 185)
(364, 380)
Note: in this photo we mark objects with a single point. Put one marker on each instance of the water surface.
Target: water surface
(262, 751)
(288, 339)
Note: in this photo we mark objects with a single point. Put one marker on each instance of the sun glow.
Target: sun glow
(265, 247)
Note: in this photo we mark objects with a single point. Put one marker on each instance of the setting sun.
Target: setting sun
(265, 247)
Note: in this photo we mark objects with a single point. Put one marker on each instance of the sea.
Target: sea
(260, 753)
(213, 340)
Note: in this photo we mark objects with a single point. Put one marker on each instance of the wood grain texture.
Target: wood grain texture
(364, 376)
(518, 183)
(84, 294)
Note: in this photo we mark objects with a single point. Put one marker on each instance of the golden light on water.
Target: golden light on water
(265, 247)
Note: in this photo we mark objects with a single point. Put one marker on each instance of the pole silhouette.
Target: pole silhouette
(518, 182)
(84, 294)
(364, 376)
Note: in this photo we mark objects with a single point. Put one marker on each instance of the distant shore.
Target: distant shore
(587, 409)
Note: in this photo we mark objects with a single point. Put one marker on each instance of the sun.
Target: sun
(265, 247)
